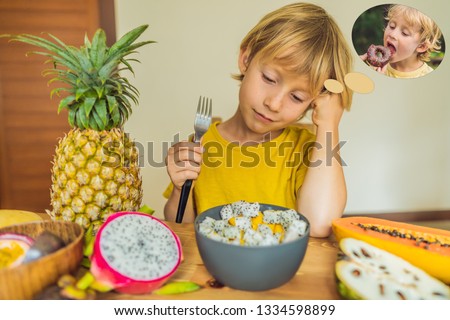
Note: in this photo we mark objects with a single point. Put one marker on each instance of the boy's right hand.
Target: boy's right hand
(183, 162)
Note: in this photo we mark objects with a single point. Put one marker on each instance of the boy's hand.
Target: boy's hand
(377, 69)
(327, 111)
(363, 57)
(183, 162)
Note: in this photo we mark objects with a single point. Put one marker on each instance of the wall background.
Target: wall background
(398, 136)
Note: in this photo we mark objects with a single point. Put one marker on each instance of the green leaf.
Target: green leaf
(93, 124)
(61, 43)
(124, 111)
(48, 45)
(80, 92)
(178, 287)
(57, 90)
(128, 66)
(123, 52)
(132, 96)
(115, 116)
(64, 78)
(105, 71)
(96, 122)
(127, 39)
(113, 84)
(82, 120)
(71, 118)
(88, 105)
(65, 102)
(99, 91)
(85, 64)
(123, 102)
(112, 103)
(100, 109)
(98, 48)
(87, 43)
(54, 58)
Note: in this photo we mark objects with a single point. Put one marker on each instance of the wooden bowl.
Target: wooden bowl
(27, 280)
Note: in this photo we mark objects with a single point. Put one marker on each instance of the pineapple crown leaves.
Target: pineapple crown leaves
(98, 97)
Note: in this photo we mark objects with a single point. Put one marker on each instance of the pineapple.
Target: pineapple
(95, 168)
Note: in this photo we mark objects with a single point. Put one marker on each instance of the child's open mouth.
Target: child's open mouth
(391, 48)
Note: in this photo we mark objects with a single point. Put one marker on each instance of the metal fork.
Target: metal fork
(201, 125)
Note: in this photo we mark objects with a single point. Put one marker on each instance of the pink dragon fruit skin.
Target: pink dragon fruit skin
(108, 276)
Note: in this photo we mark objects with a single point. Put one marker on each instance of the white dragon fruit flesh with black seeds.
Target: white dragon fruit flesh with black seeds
(135, 253)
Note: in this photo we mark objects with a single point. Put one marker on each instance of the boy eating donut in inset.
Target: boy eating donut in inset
(410, 37)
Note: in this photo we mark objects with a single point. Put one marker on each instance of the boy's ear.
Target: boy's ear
(422, 47)
(243, 60)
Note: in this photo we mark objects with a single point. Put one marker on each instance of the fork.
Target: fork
(201, 124)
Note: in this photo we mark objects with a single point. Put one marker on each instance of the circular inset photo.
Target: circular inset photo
(398, 41)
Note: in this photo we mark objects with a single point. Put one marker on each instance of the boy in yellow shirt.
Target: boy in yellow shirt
(410, 36)
(258, 155)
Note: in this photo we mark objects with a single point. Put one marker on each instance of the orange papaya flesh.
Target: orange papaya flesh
(426, 248)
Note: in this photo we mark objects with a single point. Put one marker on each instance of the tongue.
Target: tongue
(391, 48)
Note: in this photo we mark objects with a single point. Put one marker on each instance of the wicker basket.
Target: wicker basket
(27, 280)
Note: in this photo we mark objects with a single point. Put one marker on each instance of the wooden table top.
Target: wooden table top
(314, 280)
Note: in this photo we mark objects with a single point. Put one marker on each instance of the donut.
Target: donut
(378, 56)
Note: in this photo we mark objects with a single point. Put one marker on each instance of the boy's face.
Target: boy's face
(402, 39)
(271, 97)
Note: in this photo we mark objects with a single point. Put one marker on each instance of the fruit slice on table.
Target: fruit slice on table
(367, 272)
(135, 253)
(426, 248)
(10, 217)
(13, 248)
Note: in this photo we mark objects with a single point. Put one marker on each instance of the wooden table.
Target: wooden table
(314, 280)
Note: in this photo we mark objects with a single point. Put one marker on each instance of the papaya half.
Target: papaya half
(426, 248)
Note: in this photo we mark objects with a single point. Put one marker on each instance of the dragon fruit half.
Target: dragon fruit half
(135, 253)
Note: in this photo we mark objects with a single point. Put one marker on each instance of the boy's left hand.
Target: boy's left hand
(327, 111)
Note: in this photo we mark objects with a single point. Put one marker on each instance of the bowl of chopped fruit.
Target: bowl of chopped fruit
(252, 246)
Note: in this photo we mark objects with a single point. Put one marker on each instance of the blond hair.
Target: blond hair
(429, 31)
(305, 39)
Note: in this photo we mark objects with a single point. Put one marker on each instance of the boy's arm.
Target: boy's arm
(323, 195)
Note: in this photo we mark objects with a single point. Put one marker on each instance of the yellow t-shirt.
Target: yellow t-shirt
(423, 70)
(270, 172)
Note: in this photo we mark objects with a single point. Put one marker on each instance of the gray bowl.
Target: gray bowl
(248, 268)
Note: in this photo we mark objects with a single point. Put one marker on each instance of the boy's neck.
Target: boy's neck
(407, 65)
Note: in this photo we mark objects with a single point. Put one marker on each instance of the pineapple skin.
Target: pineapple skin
(94, 174)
